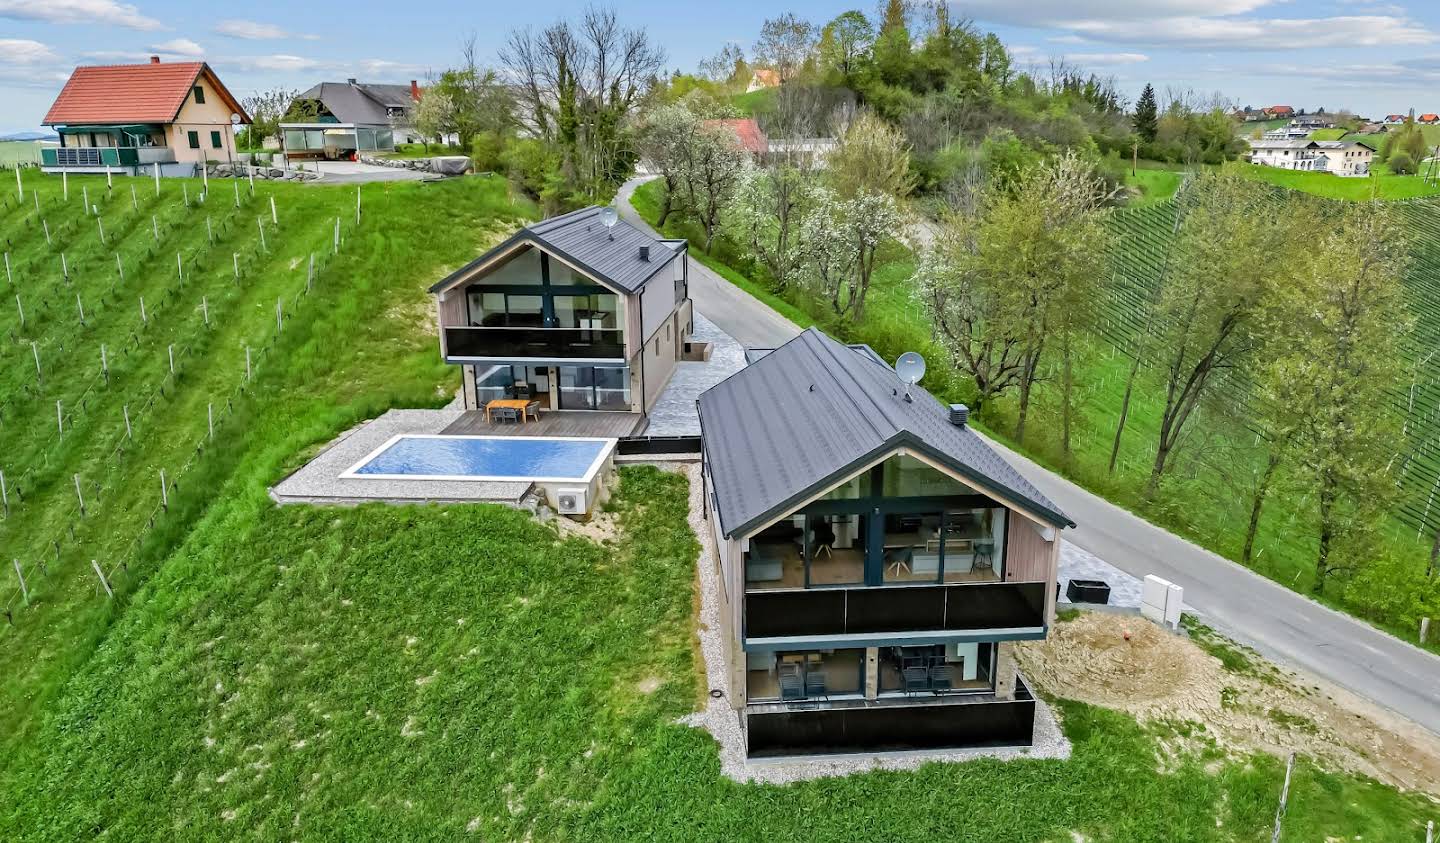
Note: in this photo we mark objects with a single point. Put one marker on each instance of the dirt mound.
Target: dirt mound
(1249, 706)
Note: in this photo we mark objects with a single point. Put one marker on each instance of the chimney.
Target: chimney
(414, 91)
(154, 59)
(645, 253)
(959, 414)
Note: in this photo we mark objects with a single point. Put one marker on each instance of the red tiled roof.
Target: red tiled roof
(1429, 118)
(747, 132)
(131, 93)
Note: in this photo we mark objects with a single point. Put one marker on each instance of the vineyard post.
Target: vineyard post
(209, 232)
(80, 307)
(157, 179)
(1424, 630)
(260, 224)
(46, 224)
(143, 318)
(170, 350)
(119, 268)
(204, 181)
(100, 223)
(134, 203)
(35, 350)
(310, 273)
(59, 418)
(104, 363)
(279, 315)
(336, 248)
(237, 192)
(9, 278)
(1284, 797)
(247, 371)
(357, 204)
(155, 227)
(205, 310)
(164, 492)
(179, 269)
(21, 308)
(85, 196)
(210, 419)
(4, 494)
(24, 592)
(19, 186)
(235, 259)
(79, 497)
(36, 197)
(126, 410)
(109, 179)
(185, 194)
(274, 219)
(252, 179)
(64, 267)
(96, 565)
(65, 185)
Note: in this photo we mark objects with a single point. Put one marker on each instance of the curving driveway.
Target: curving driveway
(1282, 624)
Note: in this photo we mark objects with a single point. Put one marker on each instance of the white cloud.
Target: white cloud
(1106, 58)
(78, 11)
(179, 47)
(255, 31)
(336, 68)
(24, 51)
(1207, 24)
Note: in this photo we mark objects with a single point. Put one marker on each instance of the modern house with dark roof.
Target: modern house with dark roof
(877, 559)
(352, 117)
(132, 117)
(569, 311)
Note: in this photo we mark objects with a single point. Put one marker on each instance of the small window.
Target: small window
(194, 138)
(199, 95)
(214, 140)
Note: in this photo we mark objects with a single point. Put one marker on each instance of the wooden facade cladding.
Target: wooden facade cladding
(1027, 556)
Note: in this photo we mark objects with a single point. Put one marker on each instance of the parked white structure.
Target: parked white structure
(1341, 158)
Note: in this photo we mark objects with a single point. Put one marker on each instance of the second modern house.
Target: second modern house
(350, 118)
(1341, 158)
(877, 559)
(578, 312)
(132, 117)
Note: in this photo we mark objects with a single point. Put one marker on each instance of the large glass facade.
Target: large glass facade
(785, 676)
(922, 527)
(937, 669)
(501, 381)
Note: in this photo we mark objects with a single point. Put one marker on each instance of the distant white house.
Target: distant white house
(1341, 158)
(1290, 131)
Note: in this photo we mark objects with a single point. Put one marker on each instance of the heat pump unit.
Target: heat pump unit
(572, 501)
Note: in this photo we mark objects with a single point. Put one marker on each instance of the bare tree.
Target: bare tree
(785, 43)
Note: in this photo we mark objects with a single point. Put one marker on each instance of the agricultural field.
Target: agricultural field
(204, 352)
(19, 152)
(1380, 185)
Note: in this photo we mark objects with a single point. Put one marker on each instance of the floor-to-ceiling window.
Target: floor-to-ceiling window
(936, 669)
(809, 675)
(594, 387)
(505, 381)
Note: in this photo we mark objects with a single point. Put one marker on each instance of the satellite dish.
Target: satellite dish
(608, 218)
(234, 119)
(910, 367)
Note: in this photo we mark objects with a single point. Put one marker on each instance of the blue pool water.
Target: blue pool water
(499, 458)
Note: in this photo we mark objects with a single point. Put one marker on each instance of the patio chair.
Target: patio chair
(822, 538)
(509, 414)
(533, 410)
(940, 679)
(917, 679)
(522, 389)
(984, 548)
(791, 685)
(815, 684)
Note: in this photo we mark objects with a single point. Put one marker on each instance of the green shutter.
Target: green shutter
(199, 95)
(214, 140)
(194, 138)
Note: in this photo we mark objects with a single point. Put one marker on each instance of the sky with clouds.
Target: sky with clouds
(1372, 56)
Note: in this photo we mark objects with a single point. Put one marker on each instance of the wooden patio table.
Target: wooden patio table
(514, 403)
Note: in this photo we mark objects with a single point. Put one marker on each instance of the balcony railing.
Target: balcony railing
(522, 343)
(948, 723)
(863, 611)
(89, 156)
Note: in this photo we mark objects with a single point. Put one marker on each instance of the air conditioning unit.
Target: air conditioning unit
(572, 501)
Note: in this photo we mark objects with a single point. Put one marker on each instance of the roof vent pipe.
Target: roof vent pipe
(959, 414)
(645, 253)
(154, 59)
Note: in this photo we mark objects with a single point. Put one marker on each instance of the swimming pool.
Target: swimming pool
(417, 456)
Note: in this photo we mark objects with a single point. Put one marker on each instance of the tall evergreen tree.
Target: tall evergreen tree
(1146, 120)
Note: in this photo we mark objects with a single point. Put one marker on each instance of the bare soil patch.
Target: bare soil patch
(1166, 679)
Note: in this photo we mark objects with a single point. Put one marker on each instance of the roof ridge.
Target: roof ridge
(876, 404)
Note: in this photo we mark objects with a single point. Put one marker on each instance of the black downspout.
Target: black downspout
(644, 411)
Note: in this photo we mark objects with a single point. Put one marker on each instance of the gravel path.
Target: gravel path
(723, 722)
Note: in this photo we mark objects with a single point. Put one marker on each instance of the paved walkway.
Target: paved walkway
(674, 411)
(1285, 626)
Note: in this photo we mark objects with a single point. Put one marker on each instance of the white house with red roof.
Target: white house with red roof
(129, 117)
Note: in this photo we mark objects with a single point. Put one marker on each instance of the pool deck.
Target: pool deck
(551, 423)
(319, 480)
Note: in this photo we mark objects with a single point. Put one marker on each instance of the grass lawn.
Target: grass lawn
(1382, 185)
(412, 673)
(1155, 182)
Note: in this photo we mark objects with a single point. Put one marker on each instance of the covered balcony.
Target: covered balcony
(513, 343)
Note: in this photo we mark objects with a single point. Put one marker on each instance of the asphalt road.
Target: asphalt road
(1282, 624)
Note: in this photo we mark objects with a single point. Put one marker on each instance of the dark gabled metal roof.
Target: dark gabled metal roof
(610, 255)
(809, 413)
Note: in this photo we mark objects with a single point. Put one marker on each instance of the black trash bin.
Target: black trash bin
(1087, 591)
